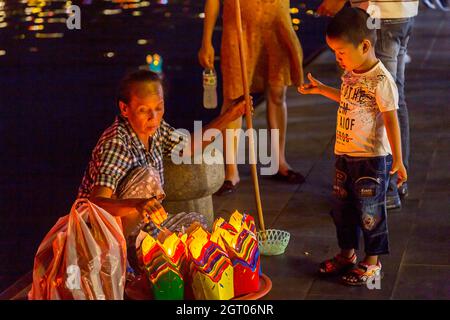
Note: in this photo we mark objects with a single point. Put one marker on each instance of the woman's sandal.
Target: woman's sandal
(290, 177)
(337, 265)
(226, 188)
(362, 274)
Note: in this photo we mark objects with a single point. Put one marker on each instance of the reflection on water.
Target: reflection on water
(129, 29)
(57, 91)
(120, 34)
(115, 37)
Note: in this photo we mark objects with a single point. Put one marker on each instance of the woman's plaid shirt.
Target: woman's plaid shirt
(119, 151)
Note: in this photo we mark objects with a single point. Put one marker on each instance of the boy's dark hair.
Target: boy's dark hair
(350, 24)
(133, 78)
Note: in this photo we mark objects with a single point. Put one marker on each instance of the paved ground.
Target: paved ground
(419, 264)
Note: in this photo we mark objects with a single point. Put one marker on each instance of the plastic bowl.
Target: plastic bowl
(274, 242)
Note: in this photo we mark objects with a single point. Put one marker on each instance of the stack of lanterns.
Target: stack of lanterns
(165, 264)
(239, 239)
(209, 266)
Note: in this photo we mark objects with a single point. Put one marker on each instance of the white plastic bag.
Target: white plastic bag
(83, 257)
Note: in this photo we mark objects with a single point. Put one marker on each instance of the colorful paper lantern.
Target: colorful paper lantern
(210, 268)
(165, 265)
(241, 245)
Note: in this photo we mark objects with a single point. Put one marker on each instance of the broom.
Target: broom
(272, 241)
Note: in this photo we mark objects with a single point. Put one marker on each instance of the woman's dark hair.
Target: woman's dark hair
(136, 77)
(351, 24)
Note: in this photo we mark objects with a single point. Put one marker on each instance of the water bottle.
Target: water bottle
(209, 89)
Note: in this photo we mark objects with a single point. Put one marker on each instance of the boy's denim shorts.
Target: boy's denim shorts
(359, 202)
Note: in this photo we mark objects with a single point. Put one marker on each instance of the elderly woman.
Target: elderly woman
(138, 138)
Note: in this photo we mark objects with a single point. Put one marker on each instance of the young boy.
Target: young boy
(367, 148)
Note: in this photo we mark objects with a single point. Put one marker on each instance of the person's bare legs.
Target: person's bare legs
(277, 119)
(230, 148)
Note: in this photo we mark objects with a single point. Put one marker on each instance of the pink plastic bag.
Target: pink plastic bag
(83, 257)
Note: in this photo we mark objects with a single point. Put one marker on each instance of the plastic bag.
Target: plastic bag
(83, 257)
(178, 223)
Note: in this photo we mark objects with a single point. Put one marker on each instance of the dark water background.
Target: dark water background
(57, 89)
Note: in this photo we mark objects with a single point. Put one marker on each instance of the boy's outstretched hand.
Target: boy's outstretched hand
(402, 176)
(310, 88)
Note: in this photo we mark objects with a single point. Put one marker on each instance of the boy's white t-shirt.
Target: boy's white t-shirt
(360, 130)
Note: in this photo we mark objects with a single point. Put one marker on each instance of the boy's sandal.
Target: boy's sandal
(362, 274)
(337, 265)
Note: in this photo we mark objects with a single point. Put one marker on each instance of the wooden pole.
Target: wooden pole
(248, 115)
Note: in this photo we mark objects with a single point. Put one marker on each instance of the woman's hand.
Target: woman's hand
(151, 209)
(238, 108)
(330, 7)
(206, 56)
